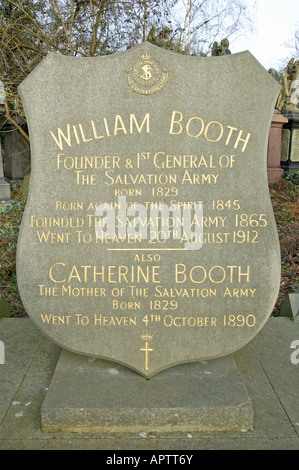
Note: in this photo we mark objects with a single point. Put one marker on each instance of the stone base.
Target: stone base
(274, 170)
(274, 174)
(4, 191)
(93, 395)
(290, 306)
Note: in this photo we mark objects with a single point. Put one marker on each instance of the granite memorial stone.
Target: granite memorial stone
(148, 237)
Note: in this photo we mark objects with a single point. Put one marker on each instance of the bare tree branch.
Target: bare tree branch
(12, 121)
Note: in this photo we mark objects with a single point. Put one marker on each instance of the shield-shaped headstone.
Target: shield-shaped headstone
(148, 237)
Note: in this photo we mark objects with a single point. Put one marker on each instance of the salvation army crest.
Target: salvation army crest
(146, 77)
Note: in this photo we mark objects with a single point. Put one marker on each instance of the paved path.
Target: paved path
(272, 380)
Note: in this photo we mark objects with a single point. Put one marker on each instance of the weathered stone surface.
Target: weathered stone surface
(96, 396)
(285, 144)
(17, 153)
(136, 125)
(290, 306)
(20, 342)
(269, 374)
(274, 170)
(4, 186)
(294, 154)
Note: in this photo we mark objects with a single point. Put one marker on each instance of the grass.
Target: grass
(285, 201)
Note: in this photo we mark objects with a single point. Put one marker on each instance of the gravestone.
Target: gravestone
(290, 306)
(285, 145)
(294, 156)
(291, 146)
(4, 186)
(148, 238)
(17, 153)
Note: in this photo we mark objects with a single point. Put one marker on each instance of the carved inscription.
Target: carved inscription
(149, 248)
(153, 175)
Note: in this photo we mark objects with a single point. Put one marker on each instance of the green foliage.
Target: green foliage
(292, 175)
(10, 220)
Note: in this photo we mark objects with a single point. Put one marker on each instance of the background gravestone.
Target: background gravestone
(17, 152)
(131, 132)
(4, 186)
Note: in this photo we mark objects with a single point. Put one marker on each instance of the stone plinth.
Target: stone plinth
(4, 191)
(92, 395)
(275, 171)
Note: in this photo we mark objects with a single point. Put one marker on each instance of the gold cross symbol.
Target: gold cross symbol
(146, 350)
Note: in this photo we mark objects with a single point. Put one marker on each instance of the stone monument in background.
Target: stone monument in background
(4, 186)
(287, 107)
(148, 238)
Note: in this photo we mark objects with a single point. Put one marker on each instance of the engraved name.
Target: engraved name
(193, 126)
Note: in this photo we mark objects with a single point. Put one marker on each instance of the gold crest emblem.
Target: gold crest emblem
(146, 77)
